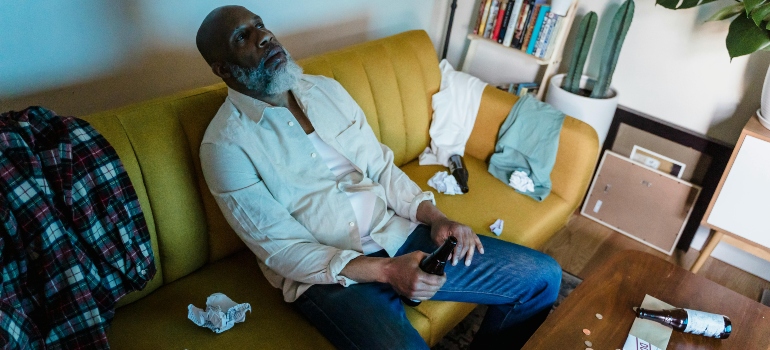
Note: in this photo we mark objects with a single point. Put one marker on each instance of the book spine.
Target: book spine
(554, 35)
(549, 35)
(512, 23)
(485, 14)
(490, 27)
(545, 31)
(530, 27)
(478, 17)
(521, 26)
(537, 28)
(499, 20)
(506, 20)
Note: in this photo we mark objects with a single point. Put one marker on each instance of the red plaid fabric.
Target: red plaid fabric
(73, 239)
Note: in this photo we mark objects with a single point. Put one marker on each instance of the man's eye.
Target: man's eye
(239, 37)
(260, 26)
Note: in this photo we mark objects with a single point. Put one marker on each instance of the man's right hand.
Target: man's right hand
(403, 273)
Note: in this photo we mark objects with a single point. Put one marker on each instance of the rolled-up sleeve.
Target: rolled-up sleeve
(265, 226)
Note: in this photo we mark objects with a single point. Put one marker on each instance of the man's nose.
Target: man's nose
(264, 39)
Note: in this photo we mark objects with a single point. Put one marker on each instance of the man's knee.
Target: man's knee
(549, 277)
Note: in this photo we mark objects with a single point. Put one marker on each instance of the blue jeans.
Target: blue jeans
(517, 283)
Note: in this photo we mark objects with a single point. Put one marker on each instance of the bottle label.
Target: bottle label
(704, 323)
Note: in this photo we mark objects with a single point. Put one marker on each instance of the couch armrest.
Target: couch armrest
(575, 159)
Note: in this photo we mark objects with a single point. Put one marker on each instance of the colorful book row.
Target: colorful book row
(527, 25)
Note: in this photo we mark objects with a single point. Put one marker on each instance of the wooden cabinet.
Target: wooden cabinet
(739, 212)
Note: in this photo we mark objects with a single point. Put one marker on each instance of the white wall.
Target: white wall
(673, 65)
(82, 56)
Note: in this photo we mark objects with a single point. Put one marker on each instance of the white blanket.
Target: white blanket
(455, 107)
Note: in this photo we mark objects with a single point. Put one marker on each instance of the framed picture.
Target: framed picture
(706, 158)
(657, 161)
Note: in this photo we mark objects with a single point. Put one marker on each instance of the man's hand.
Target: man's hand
(467, 240)
(441, 228)
(407, 279)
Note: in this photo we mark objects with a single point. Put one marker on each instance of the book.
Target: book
(499, 20)
(506, 19)
(553, 37)
(525, 9)
(527, 88)
(537, 28)
(484, 14)
(512, 22)
(530, 26)
(490, 27)
(542, 37)
(545, 34)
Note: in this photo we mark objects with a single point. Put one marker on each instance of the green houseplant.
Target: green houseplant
(749, 32)
(592, 100)
(750, 29)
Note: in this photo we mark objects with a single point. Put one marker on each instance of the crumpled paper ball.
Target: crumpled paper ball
(521, 182)
(221, 313)
(445, 183)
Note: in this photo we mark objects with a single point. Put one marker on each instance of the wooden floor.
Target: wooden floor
(583, 245)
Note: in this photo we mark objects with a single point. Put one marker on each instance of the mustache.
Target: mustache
(271, 50)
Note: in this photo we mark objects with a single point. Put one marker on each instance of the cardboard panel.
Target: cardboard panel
(647, 205)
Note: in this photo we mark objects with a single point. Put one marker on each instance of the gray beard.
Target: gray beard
(264, 82)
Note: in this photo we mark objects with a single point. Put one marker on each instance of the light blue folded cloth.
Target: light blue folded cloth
(528, 141)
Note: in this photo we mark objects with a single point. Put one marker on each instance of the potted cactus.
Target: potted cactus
(591, 100)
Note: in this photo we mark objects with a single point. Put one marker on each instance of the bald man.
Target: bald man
(304, 182)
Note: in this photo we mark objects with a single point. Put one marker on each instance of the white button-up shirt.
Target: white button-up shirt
(288, 206)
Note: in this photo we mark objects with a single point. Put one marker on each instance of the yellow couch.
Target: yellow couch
(197, 253)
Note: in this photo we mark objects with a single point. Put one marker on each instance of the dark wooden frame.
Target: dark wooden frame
(719, 152)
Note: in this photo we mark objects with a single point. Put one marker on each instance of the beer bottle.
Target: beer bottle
(434, 264)
(690, 321)
(458, 170)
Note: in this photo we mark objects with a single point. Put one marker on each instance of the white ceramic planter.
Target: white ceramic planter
(765, 106)
(597, 112)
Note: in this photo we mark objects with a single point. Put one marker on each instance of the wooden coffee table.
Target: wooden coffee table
(621, 284)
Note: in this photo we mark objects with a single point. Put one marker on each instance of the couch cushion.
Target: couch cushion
(159, 321)
(161, 147)
(195, 112)
(527, 222)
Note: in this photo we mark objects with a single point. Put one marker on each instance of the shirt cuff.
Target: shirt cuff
(423, 196)
(339, 261)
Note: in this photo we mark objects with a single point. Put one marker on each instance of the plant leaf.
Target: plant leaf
(744, 37)
(751, 5)
(583, 39)
(672, 4)
(615, 38)
(669, 4)
(726, 12)
(761, 14)
(686, 4)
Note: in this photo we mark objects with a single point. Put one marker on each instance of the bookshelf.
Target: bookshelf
(551, 64)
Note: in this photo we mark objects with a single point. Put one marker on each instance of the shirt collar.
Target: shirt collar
(255, 108)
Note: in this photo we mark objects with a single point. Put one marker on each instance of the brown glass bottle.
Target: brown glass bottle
(690, 321)
(434, 264)
(458, 170)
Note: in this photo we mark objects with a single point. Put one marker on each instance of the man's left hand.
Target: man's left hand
(467, 240)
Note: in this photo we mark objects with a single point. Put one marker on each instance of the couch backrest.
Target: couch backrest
(392, 79)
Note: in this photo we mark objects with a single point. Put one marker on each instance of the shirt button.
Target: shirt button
(312, 155)
(291, 123)
(141, 271)
(352, 224)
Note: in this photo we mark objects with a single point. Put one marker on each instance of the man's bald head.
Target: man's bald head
(213, 32)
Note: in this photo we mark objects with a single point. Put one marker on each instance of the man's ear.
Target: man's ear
(220, 70)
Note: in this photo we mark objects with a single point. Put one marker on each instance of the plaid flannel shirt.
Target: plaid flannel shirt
(73, 239)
